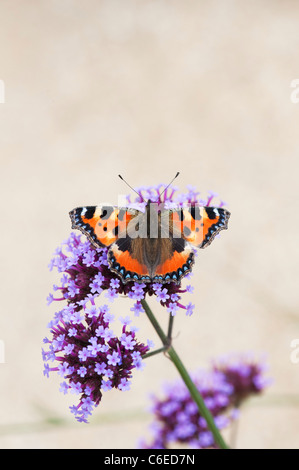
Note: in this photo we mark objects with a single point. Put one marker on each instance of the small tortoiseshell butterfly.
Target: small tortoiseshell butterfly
(154, 245)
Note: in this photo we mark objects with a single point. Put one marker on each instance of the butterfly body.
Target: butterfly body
(154, 245)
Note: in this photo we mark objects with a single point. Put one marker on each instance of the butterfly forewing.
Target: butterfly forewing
(103, 225)
(198, 224)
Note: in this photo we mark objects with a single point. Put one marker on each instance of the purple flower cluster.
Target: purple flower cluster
(160, 194)
(245, 375)
(177, 419)
(89, 356)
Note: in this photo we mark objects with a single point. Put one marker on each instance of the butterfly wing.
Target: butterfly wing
(102, 225)
(126, 258)
(176, 261)
(197, 224)
(130, 259)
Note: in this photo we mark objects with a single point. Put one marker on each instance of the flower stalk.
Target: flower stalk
(205, 413)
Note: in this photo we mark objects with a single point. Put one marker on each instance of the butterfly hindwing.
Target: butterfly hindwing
(199, 224)
(128, 261)
(177, 264)
(151, 260)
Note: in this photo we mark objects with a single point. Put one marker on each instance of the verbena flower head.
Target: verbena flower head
(244, 373)
(82, 347)
(86, 353)
(168, 196)
(176, 416)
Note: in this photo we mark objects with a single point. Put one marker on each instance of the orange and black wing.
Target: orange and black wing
(165, 260)
(102, 224)
(126, 259)
(198, 224)
(177, 263)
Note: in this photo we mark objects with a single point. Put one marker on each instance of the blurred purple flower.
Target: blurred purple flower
(176, 416)
(244, 373)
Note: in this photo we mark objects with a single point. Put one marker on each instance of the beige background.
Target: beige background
(147, 88)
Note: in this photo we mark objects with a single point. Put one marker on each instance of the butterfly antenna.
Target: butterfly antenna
(170, 183)
(140, 195)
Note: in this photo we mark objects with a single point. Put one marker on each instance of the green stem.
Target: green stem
(156, 351)
(205, 413)
(170, 325)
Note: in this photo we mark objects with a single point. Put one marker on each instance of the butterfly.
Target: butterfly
(151, 245)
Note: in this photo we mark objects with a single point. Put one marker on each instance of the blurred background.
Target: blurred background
(148, 88)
